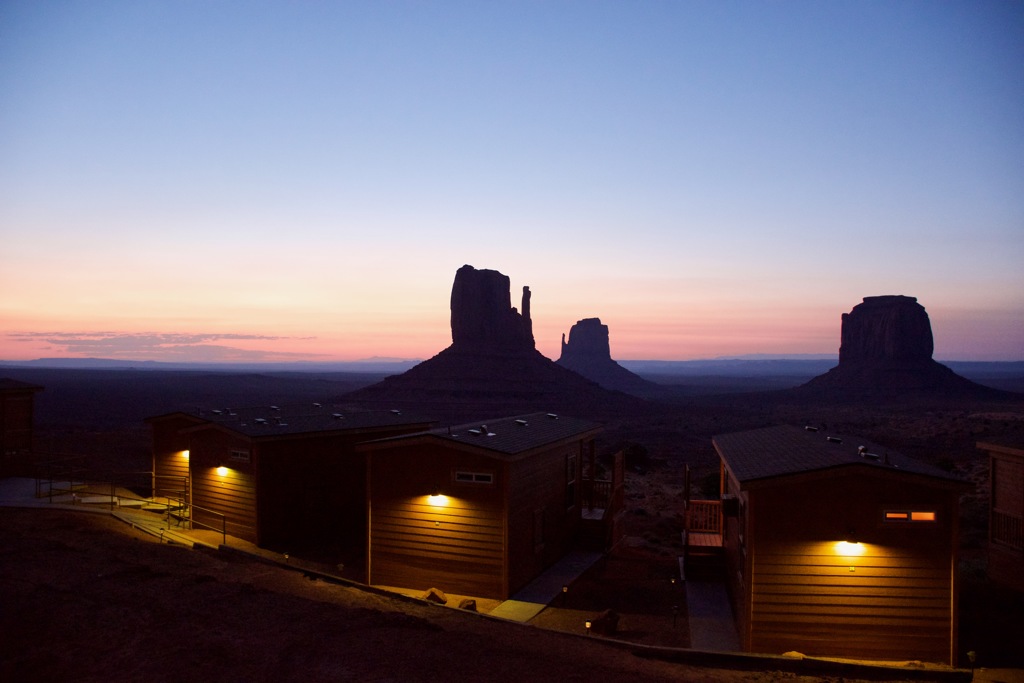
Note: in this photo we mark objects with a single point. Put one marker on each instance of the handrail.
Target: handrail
(704, 516)
(53, 471)
(223, 521)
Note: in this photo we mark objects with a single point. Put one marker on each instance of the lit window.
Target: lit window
(465, 477)
(910, 515)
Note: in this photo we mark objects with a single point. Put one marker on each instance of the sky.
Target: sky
(275, 181)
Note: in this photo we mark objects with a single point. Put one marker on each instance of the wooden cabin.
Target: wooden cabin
(835, 546)
(1006, 512)
(283, 478)
(17, 420)
(479, 509)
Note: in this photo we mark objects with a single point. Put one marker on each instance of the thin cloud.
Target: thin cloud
(191, 347)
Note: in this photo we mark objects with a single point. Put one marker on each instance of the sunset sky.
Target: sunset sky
(245, 181)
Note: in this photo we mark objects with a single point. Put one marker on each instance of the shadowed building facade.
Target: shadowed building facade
(282, 477)
(1006, 512)
(478, 509)
(17, 419)
(839, 547)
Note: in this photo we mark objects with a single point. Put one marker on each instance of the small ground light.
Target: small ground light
(587, 625)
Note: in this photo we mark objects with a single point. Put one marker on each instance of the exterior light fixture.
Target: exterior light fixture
(849, 549)
(587, 624)
(222, 471)
(436, 498)
(185, 454)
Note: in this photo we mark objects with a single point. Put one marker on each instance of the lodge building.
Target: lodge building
(480, 508)
(281, 477)
(835, 546)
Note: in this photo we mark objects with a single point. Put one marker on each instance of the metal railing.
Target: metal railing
(66, 476)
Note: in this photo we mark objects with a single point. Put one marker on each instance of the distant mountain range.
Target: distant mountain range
(751, 365)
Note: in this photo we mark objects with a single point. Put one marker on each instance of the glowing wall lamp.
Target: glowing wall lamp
(222, 471)
(436, 498)
(850, 547)
(184, 454)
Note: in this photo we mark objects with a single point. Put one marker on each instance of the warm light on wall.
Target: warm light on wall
(849, 548)
(222, 471)
(437, 500)
(184, 454)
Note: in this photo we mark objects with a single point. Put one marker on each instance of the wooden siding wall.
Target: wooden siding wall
(1006, 519)
(537, 486)
(737, 569)
(170, 466)
(232, 495)
(458, 547)
(312, 493)
(897, 603)
(16, 421)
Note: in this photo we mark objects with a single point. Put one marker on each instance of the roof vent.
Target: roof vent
(274, 408)
(260, 420)
(216, 412)
(396, 412)
(811, 429)
(474, 432)
(833, 439)
(317, 405)
(862, 451)
(553, 416)
(521, 423)
(337, 416)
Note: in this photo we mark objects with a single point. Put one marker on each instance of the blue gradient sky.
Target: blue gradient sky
(301, 180)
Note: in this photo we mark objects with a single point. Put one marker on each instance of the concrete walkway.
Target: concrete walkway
(542, 591)
(712, 626)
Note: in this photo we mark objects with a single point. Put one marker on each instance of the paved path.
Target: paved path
(712, 626)
(539, 593)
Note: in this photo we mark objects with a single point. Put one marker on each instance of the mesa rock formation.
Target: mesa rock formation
(588, 352)
(483, 316)
(492, 367)
(886, 349)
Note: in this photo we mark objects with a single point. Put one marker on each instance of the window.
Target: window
(910, 515)
(466, 477)
(240, 456)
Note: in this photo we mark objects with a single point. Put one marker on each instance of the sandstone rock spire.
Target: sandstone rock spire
(482, 315)
(588, 352)
(493, 366)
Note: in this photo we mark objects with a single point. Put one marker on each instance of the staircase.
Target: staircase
(703, 558)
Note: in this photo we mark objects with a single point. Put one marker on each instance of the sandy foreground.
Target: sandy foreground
(87, 598)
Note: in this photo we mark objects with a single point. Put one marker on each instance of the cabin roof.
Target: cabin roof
(14, 386)
(306, 418)
(1003, 444)
(785, 450)
(506, 437)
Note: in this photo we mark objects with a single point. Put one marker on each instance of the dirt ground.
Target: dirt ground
(85, 597)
